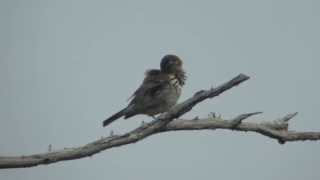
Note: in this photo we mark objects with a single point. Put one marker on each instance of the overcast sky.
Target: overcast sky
(66, 65)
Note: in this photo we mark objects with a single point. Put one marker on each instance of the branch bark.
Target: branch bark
(164, 123)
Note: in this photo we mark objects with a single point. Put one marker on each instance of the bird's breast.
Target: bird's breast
(175, 83)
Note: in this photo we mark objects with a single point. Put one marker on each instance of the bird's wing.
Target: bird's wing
(154, 80)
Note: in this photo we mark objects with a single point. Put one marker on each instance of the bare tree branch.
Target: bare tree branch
(114, 141)
(277, 129)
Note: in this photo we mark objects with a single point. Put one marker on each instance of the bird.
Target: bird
(159, 91)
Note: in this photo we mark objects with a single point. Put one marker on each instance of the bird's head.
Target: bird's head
(171, 64)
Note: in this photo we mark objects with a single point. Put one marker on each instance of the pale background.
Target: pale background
(66, 65)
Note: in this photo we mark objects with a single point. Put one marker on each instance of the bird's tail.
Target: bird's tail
(114, 117)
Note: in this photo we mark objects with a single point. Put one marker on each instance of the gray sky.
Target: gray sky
(66, 65)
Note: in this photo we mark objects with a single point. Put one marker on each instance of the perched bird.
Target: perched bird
(159, 91)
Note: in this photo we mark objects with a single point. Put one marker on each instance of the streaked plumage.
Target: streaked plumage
(159, 91)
